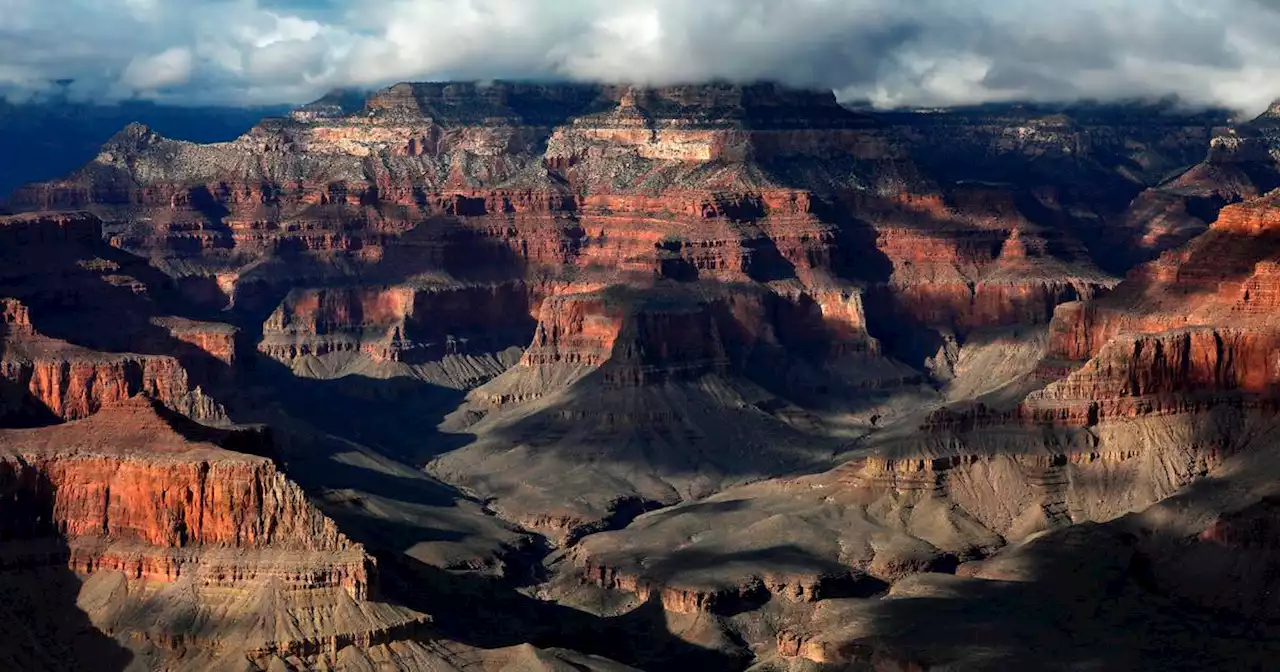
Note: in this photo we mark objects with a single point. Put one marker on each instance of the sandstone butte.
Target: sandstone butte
(734, 371)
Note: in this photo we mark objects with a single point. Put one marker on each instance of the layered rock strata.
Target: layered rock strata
(667, 369)
(920, 505)
(726, 182)
(728, 247)
(1154, 394)
(1240, 166)
(82, 328)
(707, 284)
(464, 328)
(159, 522)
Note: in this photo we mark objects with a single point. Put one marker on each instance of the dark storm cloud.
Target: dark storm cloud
(891, 51)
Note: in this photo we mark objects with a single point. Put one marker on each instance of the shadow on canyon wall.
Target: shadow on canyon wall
(43, 628)
(18, 407)
(490, 613)
(1079, 603)
(1216, 260)
(397, 417)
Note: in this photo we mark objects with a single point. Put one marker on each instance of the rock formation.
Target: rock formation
(727, 182)
(182, 544)
(1142, 393)
(733, 362)
(82, 328)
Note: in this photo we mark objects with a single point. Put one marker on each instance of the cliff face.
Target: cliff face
(642, 239)
(247, 506)
(650, 298)
(126, 500)
(634, 338)
(82, 328)
(1185, 333)
(1148, 399)
(1169, 372)
(1197, 320)
(642, 335)
(399, 324)
(72, 384)
(1240, 167)
(126, 474)
(731, 183)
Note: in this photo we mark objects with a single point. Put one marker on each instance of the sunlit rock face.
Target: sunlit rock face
(634, 238)
(735, 360)
(155, 518)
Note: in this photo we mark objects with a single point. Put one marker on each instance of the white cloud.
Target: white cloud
(893, 51)
(169, 68)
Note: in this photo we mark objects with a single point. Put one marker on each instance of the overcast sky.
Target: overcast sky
(892, 51)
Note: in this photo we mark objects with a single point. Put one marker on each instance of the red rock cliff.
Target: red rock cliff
(726, 182)
(127, 477)
(81, 328)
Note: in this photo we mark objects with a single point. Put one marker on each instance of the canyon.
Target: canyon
(568, 376)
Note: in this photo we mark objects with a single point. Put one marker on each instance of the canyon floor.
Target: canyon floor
(579, 377)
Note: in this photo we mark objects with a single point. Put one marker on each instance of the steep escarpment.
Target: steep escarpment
(457, 335)
(848, 353)
(1100, 171)
(1188, 332)
(973, 260)
(1240, 166)
(83, 327)
(56, 380)
(1143, 409)
(241, 501)
(1186, 341)
(780, 183)
(158, 522)
(1223, 279)
(754, 251)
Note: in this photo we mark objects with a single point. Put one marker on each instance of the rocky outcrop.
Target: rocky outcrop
(398, 324)
(215, 339)
(1225, 274)
(634, 339)
(918, 505)
(1167, 395)
(73, 229)
(82, 329)
(972, 259)
(709, 285)
(653, 374)
(158, 518)
(16, 317)
(1176, 371)
(735, 551)
(1185, 332)
(127, 475)
(643, 335)
(750, 591)
(1240, 167)
(72, 383)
